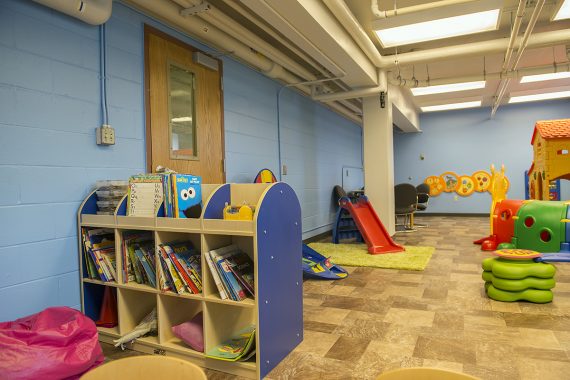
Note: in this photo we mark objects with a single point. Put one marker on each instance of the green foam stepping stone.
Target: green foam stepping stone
(518, 285)
(519, 269)
(531, 295)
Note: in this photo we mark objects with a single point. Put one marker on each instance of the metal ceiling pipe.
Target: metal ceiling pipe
(352, 26)
(543, 39)
(512, 74)
(219, 19)
(414, 8)
(504, 85)
(94, 12)
(514, 33)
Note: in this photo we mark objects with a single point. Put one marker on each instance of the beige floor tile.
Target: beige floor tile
(316, 342)
(531, 369)
(329, 315)
(538, 338)
(410, 317)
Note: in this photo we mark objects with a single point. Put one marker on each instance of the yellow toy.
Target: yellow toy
(551, 146)
(243, 212)
(498, 189)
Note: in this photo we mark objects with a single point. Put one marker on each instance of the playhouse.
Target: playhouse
(551, 146)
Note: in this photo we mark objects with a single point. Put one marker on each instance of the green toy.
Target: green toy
(538, 226)
(531, 295)
(518, 285)
(519, 269)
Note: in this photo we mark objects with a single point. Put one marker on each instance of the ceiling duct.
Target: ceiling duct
(94, 12)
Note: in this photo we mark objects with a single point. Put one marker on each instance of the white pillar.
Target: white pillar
(379, 158)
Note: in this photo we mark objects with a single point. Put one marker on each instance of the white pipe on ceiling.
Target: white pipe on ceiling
(411, 9)
(476, 48)
(94, 12)
(170, 12)
(504, 85)
(357, 93)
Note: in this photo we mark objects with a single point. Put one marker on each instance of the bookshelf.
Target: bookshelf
(272, 240)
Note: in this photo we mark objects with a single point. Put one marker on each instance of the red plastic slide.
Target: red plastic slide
(371, 227)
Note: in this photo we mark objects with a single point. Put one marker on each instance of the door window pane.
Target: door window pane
(182, 118)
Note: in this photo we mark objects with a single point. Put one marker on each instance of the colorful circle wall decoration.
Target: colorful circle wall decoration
(435, 184)
(482, 180)
(450, 180)
(466, 186)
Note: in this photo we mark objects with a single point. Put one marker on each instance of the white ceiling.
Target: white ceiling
(311, 42)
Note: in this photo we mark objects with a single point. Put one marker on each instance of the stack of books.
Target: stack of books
(182, 195)
(240, 347)
(180, 269)
(99, 250)
(232, 270)
(139, 258)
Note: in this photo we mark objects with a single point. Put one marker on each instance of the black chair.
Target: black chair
(406, 200)
(423, 200)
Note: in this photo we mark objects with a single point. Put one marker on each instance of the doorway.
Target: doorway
(184, 108)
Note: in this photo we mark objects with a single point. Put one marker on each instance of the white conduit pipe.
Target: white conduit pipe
(94, 12)
(522, 47)
(514, 33)
(476, 48)
(414, 8)
(219, 19)
(435, 82)
(352, 26)
(201, 30)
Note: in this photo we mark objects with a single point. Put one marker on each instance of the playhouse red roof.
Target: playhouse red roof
(552, 129)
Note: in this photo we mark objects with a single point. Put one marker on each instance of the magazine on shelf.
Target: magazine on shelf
(239, 347)
(219, 258)
(170, 270)
(216, 275)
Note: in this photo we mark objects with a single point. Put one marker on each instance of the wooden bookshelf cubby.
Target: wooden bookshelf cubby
(272, 240)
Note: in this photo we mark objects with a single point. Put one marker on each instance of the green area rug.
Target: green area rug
(356, 255)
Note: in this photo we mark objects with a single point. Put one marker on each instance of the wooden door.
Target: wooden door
(184, 109)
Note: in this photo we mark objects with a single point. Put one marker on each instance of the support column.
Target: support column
(378, 146)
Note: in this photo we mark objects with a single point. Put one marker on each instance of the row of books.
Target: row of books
(181, 195)
(139, 258)
(180, 268)
(99, 251)
(232, 270)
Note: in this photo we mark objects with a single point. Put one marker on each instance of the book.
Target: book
(95, 242)
(216, 276)
(186, 195)
(145, 195)
(170, 270)
(188, 283)
(147, 267)
(219, 257)
(240, 346)
(242, 267)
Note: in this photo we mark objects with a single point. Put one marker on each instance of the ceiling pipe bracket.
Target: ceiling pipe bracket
(204, 6)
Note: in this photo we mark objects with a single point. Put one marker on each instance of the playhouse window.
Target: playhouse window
(545, 236)
(562, 151)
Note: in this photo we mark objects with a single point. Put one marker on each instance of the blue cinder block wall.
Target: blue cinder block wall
(49, 108)
(465, 141)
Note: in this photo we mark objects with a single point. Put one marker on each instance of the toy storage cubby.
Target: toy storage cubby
(272, 240)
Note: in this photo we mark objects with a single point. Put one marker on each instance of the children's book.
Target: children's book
(148, 268)
(170, 270)
(242, 267)
(216, 276)
(219, 257)
(145, 195)
(237, 347)
(186, 195)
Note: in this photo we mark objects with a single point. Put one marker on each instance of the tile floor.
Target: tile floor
(381, 319)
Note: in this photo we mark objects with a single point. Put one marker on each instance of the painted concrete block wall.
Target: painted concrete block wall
(468, 140)
(49, 108)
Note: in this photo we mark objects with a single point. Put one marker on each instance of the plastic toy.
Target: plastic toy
(316, 265)
(369, 225)
(148, 325)
(551, 146)
(265, 176)
(515, 276)
(465, 186)
(243, 212)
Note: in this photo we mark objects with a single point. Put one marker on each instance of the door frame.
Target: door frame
(151, 30)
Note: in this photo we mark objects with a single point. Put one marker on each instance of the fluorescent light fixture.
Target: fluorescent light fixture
(438, 29)
(563, 12)
(451, 106)
(535, 97)
(543, 77)
(452, 87)
(438, 22)
(181, 119)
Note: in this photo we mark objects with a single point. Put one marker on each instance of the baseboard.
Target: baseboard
(319, 237)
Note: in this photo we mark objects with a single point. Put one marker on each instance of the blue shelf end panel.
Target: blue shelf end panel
(90, 204)
(215, 207)
(280, 299)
